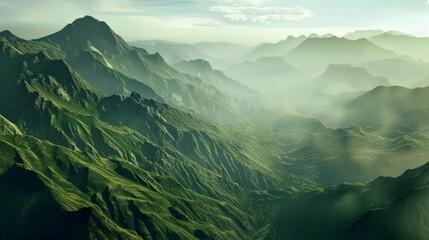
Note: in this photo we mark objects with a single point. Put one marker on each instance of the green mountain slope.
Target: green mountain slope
(77, 195)
(19, 45)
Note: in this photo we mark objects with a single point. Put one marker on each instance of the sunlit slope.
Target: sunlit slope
(8, 39)
(72, 194)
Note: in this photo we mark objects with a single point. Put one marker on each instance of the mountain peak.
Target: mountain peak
(88, 20)
(90, 25)
(8, 35)
(291, 37)
(137, 97)
(156, 58)
(87, 29)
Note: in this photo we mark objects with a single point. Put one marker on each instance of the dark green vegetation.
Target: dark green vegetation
(103, 140)
(386, 208)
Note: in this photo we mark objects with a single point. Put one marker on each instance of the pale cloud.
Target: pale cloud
(216, 1)
(263, 14)
(165, 22)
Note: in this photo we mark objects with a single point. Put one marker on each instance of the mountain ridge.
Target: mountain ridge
(340, 78)
(203, 69)
(136, 64)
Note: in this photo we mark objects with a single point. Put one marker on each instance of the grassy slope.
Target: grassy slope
(123, 200)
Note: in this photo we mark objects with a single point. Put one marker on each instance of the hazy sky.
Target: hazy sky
(245, 21)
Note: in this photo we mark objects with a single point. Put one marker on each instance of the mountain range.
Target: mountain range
(97, 53)
(101, 139)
